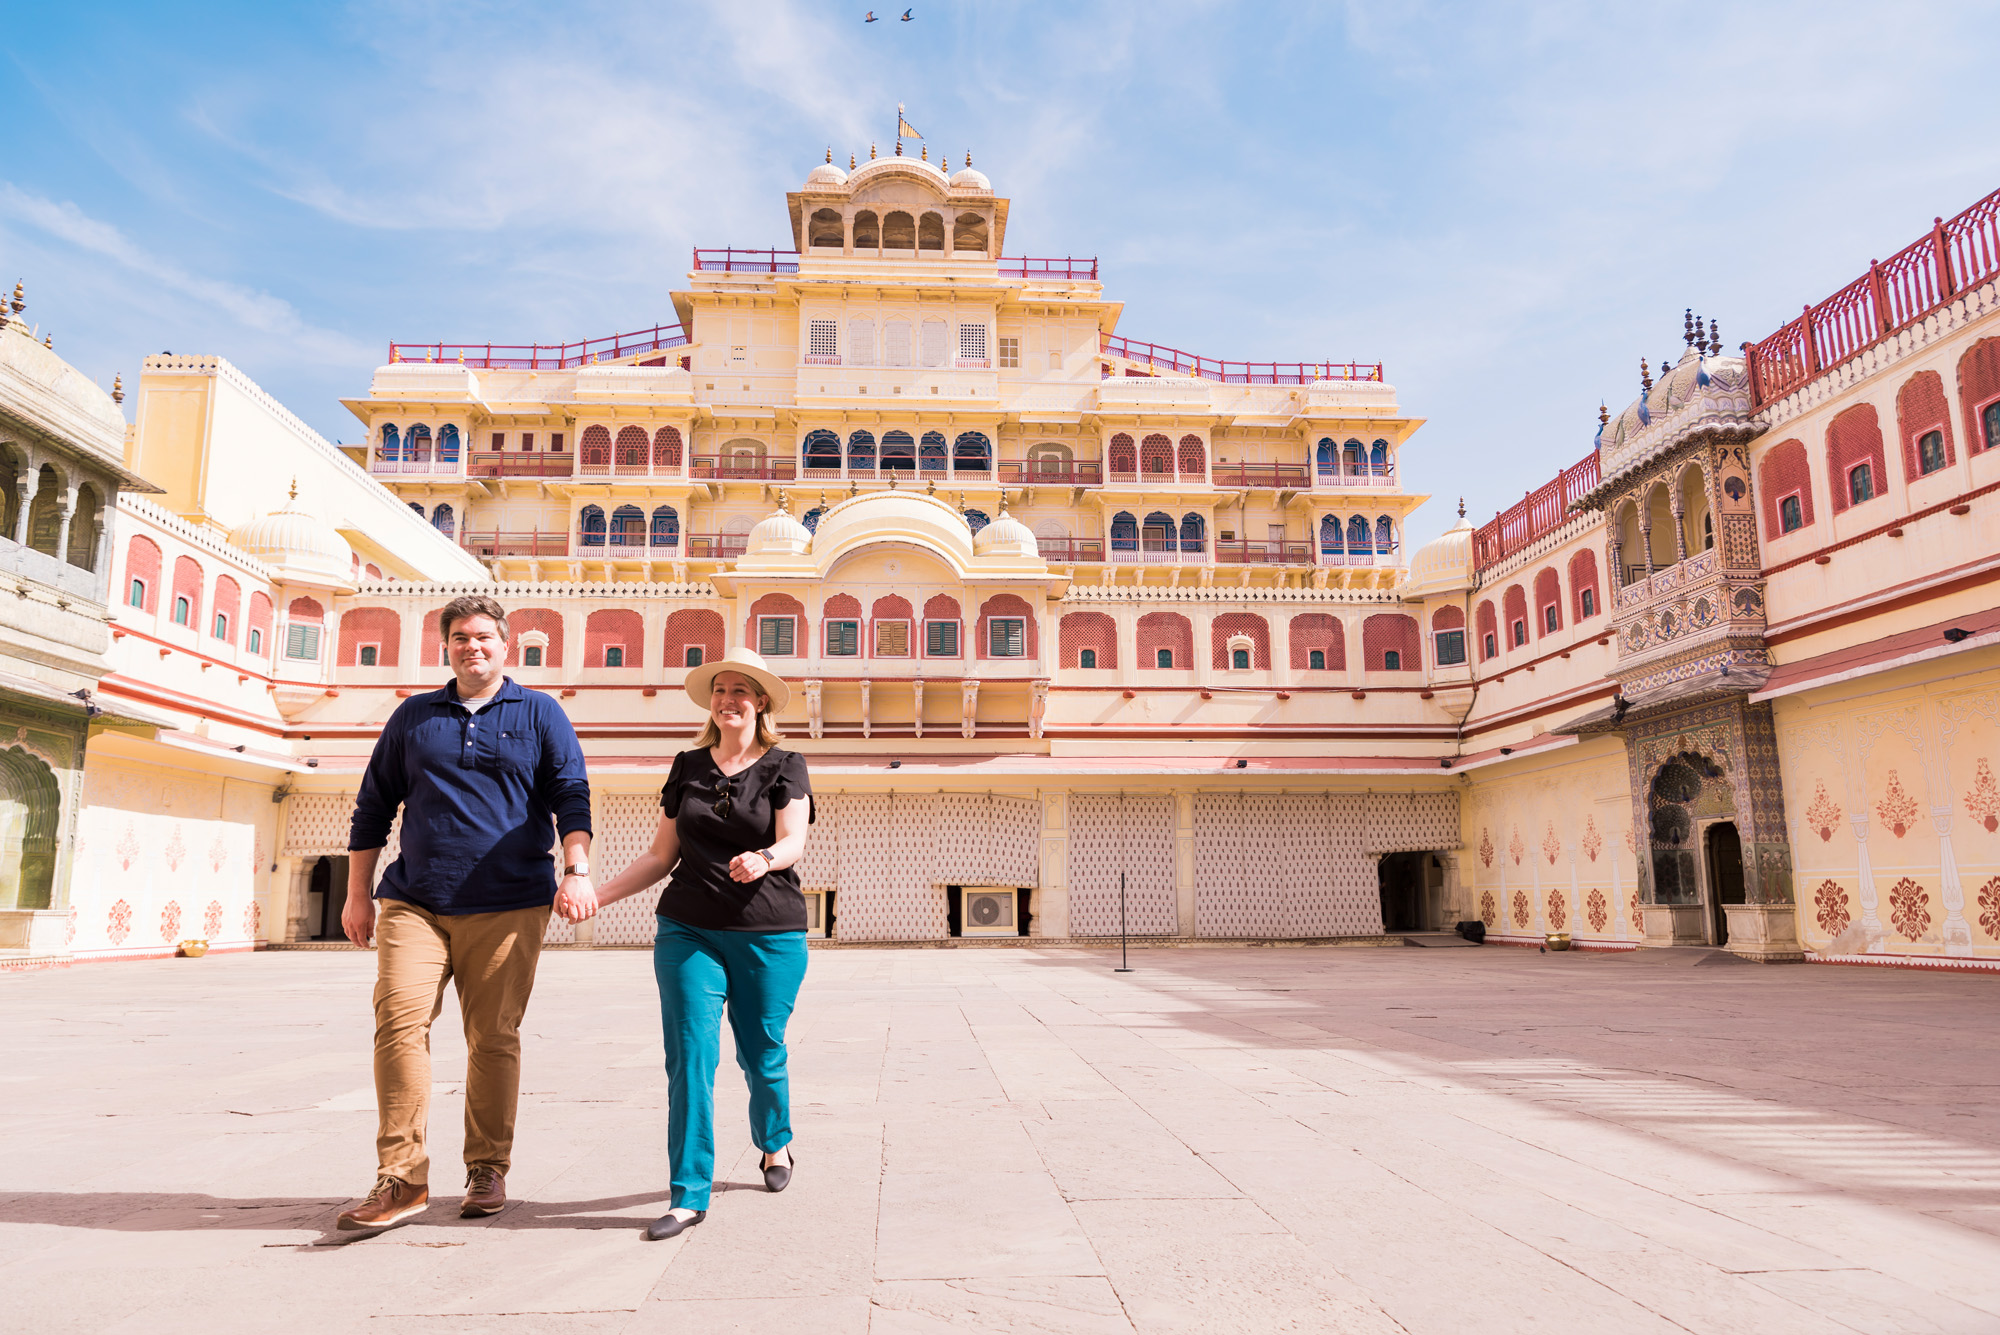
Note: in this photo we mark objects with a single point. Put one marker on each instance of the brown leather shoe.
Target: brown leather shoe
(485, 1192)
(391, 1202)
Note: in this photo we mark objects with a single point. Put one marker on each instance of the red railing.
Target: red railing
(1236, 373)
(728, 259)
(1249, 551)
(1258, 475)
(531, 543)
(1070, 549)
(1020, 266)
(542, 356)
(1033, 472)
(1894, 294)
(1540, 513)
(493, 464)
(753, 470)
(715, 546)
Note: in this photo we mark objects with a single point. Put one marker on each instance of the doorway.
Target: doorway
(326, 895)
(1404, 880)
(1723, 847)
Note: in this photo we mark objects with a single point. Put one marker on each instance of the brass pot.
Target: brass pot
(194, 948)
(1558, 940)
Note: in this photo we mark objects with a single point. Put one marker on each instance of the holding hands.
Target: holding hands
(576, 898)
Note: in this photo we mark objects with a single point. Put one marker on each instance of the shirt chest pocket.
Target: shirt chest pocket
(516, 749)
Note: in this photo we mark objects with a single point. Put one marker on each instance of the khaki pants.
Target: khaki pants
(492, 958)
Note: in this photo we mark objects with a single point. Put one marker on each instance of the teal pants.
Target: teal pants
(756, 976)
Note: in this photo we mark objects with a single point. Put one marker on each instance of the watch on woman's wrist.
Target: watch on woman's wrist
(769, 855)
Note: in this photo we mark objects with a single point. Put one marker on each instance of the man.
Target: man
(484, 772)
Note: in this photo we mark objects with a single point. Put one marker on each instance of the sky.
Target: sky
(1508, 204)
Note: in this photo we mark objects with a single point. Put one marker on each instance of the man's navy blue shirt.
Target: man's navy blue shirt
(480, 794)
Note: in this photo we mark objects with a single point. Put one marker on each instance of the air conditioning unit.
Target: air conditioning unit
(990, 910)
(815, 912)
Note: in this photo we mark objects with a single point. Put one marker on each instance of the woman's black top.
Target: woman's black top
(699, 891)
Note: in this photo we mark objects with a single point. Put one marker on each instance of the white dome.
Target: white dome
(967, 178)
(827, 173)
(779, 534)
(1442, 564)
(298, 545)
(1005, 536)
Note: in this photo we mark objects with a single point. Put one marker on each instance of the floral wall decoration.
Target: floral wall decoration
(1824, 813)
(1982, 801)
(1551, 846)
(1909, 908)
(211, 919)
(176, 850)
(1520, 908)
(128, 848)
(1989, 908)
(1558, 911)
(120, 923)
(1485, 846)
(1515, 847)
(1831, 902)
(1487, 914)
(1897, 808)
(1593, 842)
(170, 921)
(1597, 910)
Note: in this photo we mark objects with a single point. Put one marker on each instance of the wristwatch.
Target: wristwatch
(770, 856)
(577, 869)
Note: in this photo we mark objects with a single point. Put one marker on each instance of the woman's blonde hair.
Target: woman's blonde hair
(767, 736)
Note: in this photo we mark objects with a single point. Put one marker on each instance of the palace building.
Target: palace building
(1090, 633)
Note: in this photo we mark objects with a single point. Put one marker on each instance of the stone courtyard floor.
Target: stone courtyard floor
(1228, 1139)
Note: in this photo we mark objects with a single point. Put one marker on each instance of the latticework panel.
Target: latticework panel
(318, 824)
(1283, 865)
(625, 825)
(1110, 835)
(984, 840)
(819, 868)
(885, 856)
(1313, 855)
(1412, 822)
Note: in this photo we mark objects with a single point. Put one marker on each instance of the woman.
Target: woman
(732, 922)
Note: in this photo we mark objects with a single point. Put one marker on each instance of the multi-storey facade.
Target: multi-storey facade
(1128, 632)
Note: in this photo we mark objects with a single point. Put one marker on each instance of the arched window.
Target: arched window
(1329, 531)
(418, 508)
(812, 517)
(976, 520)
(417, 444)
(447, 449)
(969, 232)
(931, 455)
(1193, 456)
(1351, 456)
(1086, 658)
(1357, 535)
(899, 232)
(861, 449)
(591, 524)
(83, 529)
(628, 526)
(1156, 455)
(930, 232)
(1194, 533)
(633, 449)
(391, 449)
(666, 527)
(825, 229)
(444, 521)
(1124, 454)
(595, 449)
(1326, 457)
(1385, 534)
(867, 230)
(972, 450)
(1316, 659)
(822, 450)
(900, 451)
(1157, 533)
(667, 447)
(1124, 532)
(1378, 458)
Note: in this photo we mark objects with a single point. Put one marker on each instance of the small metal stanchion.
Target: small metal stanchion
(1124, 965)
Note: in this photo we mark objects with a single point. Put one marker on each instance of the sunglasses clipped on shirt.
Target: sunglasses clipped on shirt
(725, 799)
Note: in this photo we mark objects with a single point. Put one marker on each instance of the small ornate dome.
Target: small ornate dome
(828, 173)
(967, 178)
(1442, 564)
(298, 545)
(778, 534)
(1005, 536)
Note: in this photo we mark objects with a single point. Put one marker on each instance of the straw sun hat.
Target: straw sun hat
(749, 663)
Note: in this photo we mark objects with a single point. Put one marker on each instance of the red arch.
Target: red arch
(1165, 630)
(596, 446)
(142, 562)
(1513, 608)
(375, 625)
(1854, 437)
(1156, 455)
(1390, 630)
(613, 625)
(1548, 593)
(1240, 623)
(780, 605)
(1583, 575)
(1921, 408)
(520, 621)
(1193, 456)
(1322, 631)
(1096, 631)
(228, 601)
(1978, 385)
(187, 584)
(260, 620)
(1487, 625)
(1124, 455)
(1783, 471)
(1007, 605)
(667, 447)
(693, 627)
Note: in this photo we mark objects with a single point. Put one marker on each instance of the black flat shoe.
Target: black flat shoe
(779, 1175)
(672, 1226)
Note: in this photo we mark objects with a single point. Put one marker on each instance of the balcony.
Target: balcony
(1051, 473)
(544, 356)
(715, 546)
(1070, 550)
(1283, 476)
(731, 468)
(630, 547)
(493, 464)
(1162, 358)
(1248, 551)
(1366, 475)
(1068, 268)
(728, 259)
(428, 465)
(531, 543)
(1160, 551)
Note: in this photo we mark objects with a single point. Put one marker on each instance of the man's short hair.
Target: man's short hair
(471, 605)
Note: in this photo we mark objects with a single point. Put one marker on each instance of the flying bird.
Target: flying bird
(906, 15)
(871, 17)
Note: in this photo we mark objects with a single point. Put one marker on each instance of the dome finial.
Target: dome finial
(829, 152)
(1714, 338)
(20, 298)
(899, 146)
(1603, 415)
(850, 162)
(968, 157)
(784, 501)
(118, 389)
(1645, 377)
(1689, 326)
(871, 152)
(295, 490)
(927, 152)
(1461, 507)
